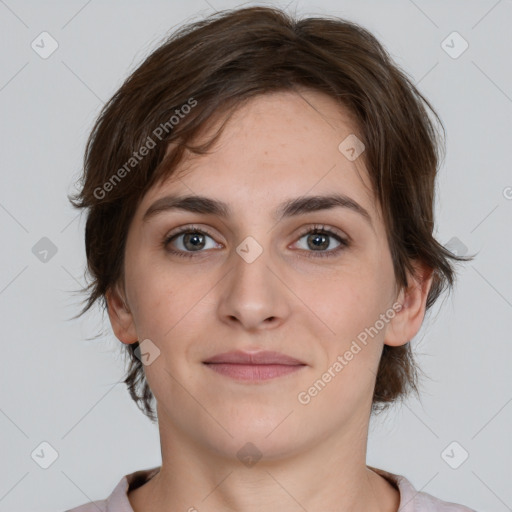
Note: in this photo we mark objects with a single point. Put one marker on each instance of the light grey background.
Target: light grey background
(58, 387)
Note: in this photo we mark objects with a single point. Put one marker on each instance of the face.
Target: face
(307, 282)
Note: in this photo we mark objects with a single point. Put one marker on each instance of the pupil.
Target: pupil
(195, 239)
(322, 245)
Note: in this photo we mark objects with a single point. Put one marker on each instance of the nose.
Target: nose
(253, 294)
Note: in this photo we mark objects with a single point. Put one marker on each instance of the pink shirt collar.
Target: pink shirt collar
(410, 499)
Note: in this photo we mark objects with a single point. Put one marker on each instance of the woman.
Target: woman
(260, 198)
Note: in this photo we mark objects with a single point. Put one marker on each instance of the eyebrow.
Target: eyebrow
(290, 208)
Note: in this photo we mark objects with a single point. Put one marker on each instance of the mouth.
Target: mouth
(254, 366)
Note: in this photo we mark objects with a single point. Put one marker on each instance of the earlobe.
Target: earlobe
(121, 317)
(407, 322)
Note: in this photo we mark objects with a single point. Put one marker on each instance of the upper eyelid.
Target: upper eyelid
(324, 227)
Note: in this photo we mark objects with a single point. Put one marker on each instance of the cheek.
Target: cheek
(349, 305)
(349, 297)
(166, 301)
(350, 348)
(152, 295)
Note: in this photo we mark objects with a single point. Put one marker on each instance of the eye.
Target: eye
(318, 240)
(188, 240)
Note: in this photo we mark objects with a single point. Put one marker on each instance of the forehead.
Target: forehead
(274, 145)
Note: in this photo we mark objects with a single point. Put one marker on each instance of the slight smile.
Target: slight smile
(253, 366)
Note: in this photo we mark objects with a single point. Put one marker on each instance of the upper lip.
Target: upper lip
(262, 357)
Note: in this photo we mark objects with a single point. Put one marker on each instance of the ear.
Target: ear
(120, 315)
(407, 322)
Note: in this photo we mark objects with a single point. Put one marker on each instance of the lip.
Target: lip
(253, 366)
(264, 357)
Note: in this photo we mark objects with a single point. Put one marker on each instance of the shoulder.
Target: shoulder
(97, 506)
(118, 499)
(412, 500)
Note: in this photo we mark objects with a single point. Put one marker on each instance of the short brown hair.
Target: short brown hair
(214, 65)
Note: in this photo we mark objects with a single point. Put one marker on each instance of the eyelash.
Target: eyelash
(315, 229)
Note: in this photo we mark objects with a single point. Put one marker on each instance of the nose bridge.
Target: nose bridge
(252, 293)
(251, 280)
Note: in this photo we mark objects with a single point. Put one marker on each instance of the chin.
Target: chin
(274, 435)
(252, 446)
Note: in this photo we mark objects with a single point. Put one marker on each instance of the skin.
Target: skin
(310, 308)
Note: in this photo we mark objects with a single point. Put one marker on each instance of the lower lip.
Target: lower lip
(253, 372)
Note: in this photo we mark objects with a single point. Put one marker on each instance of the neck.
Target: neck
(331, 476)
